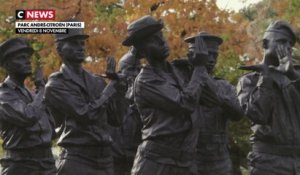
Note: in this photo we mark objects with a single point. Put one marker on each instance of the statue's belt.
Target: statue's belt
(91, 151)
(212, 138)
(35, 152)
(152, 149)
(284, 150)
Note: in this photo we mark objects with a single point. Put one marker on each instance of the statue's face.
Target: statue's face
(19, 64)
(154, 47)
(271, 42)
(212, 60)
(73, 50)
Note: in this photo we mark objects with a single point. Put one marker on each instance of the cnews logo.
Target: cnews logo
(35, 14)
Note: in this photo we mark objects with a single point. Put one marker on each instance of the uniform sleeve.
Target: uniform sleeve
(58, 97)
(257, 100)
(230, 103)
(297, 84)
(71, 102)
(116, 103)
(158, 93)
(16, 111)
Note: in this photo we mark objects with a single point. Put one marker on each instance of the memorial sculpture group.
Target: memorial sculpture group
(162, 118)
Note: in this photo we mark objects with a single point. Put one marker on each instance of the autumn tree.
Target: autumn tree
(265, 12)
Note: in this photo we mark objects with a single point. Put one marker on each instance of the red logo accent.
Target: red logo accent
(36, 14)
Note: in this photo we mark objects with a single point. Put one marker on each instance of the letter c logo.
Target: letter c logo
(20, 14)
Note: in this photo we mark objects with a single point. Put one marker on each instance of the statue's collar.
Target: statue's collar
(11, 84)
(68, 71)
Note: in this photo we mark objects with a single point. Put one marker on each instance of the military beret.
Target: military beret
(141, 28)
(284, 28)
(14, 45)
(212, 42)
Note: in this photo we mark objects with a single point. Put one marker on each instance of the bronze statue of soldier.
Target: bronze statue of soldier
(84, 105)
(165, 99)
(270, 97)
(218, 105)
(27, 128)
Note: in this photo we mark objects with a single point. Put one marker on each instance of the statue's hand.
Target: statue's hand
(209, 98)
(110, 65)
(200, 56)
(285, 60)
(262, 68)
(39, 78)
(111, 68)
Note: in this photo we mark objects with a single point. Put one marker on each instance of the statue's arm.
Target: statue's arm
(257, 100)
(160, 94)
(230, 103)
(113, 101)
(71, 102)
(14, 110)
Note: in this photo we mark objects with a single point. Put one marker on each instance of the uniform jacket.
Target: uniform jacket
(76, 105)
(23, 125)
(272, 104)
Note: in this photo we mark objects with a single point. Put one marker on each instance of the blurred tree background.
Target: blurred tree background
(106, 22)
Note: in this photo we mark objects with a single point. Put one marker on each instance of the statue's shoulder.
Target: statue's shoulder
(1, 85)
(247, 82)
(181, 67)
(6, 93)
(55, 75)
(221, 81)
(251, 76)
(3, 88)
(147, 74)
(54, 79)
(297, 67)
(218, 78)
(92, 77)
(223, 84)
(180, 63)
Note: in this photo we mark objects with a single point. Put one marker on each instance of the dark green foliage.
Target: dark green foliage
(249, 12)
